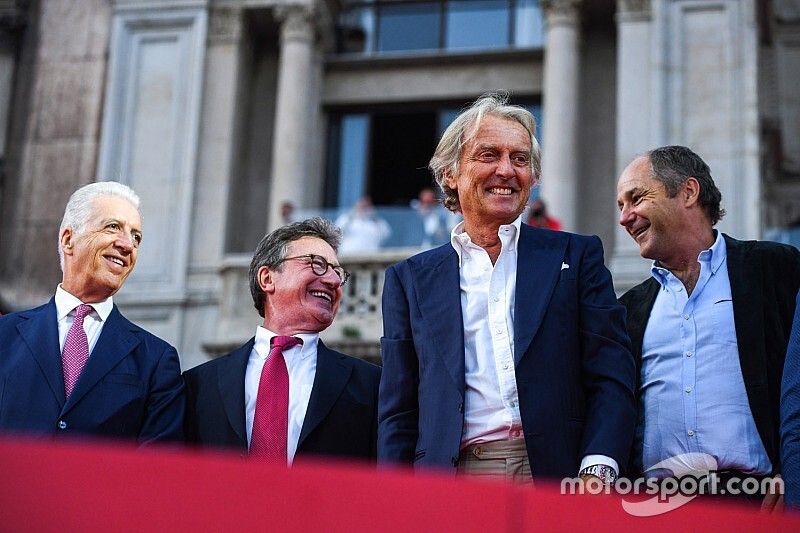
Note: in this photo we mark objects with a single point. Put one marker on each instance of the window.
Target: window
(384, 154)
(385, 26)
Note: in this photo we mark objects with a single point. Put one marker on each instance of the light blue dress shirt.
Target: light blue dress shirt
(693, 392)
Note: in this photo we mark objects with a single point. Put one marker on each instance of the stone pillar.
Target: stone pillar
(294, 107)
(52, 144)
(634, 121)
(561, 87)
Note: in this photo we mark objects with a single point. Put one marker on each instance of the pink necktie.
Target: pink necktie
(76, 349)
(271, 419)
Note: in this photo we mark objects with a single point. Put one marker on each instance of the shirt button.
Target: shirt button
(505, 366)
(62, 424)
(689, 354)
(496, 298)
(690, 433)
(498, 330)
(679, 289)
(688, 390)
(513, 403)
(686, 317)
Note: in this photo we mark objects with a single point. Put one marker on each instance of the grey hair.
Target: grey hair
(673, 165)
(79, 207)
(464, 128)
(271, 251)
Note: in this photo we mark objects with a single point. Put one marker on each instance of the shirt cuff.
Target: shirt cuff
(590, 460)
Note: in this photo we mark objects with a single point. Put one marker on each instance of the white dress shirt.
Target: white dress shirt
(491, 400)
(301, 363)
(92, 324)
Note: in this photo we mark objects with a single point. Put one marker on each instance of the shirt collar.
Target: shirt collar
(264, 338)
(67, 302)
(712, 257)
(508, 233)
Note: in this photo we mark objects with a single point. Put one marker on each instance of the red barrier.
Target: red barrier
(76, 487)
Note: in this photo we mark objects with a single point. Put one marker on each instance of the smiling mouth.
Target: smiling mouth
(501, 191)
(639, 232)
(116, 261)
(324, 295)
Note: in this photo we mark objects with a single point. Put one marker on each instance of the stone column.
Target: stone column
(560, 143)
(634, 122)
(293, 109)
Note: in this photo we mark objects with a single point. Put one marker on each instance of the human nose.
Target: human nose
(626, 216)
(504, 166)
(331, 278)
(125, 242)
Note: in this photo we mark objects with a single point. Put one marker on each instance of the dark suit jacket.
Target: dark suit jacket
(341, 419)
(130, 388)
(790, 415)
(574, 370)
(764, 279)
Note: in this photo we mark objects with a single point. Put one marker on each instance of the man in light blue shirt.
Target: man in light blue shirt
(709, 329)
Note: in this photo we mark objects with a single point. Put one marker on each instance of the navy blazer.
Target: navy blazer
(574, 369)
(130, 388)
(341, 419)
(764, 278)
(790, 415)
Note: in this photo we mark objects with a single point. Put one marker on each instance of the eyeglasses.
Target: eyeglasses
(319, 265)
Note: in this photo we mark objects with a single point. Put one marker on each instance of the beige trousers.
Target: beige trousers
(504, 459)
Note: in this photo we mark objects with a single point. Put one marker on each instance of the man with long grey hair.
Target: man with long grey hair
(284, 394)
(76, 366)
(504, 351)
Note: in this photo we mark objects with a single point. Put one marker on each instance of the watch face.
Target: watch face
(604, 472)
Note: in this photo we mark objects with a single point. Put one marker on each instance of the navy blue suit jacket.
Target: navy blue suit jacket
(131, 387)
(574, 368)
(341, 419)
(790, 414)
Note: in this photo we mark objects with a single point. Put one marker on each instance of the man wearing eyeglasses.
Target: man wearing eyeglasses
(284, 394)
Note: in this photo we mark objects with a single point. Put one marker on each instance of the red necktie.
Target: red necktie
(271, 419)
(76, 349)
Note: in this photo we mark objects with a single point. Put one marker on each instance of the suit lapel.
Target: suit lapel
(747, 311)
(40, 333)
(745, 278)
(642, 301)
(538, 269)
(116, 341)
(438, 293)
(231, 388)
(333, 372)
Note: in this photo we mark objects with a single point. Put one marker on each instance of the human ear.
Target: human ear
(66, 240)
(691, 191)
(265, 279)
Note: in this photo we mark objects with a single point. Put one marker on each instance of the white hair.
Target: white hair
(79, 207)
(464, 128)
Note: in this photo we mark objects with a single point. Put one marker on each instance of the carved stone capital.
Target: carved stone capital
(561, 12)
(633, 10)
(297, 22)
(225, 24)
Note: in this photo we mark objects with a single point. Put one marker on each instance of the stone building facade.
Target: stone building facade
(218, 111)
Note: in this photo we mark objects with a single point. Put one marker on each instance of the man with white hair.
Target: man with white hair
(76, 366)
(504, 351)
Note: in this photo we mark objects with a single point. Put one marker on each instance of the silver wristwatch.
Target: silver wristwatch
(604, 472)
